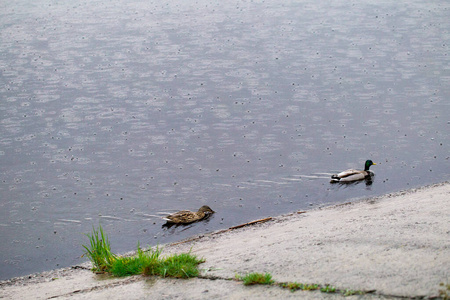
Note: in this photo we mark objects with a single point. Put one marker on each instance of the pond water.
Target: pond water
(117, 112)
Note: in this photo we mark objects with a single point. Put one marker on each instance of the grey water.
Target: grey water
(116, 113)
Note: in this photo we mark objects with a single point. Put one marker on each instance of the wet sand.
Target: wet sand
(397, 245)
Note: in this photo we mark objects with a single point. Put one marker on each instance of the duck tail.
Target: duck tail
(335, 178)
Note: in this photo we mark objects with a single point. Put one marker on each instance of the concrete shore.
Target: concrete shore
(393, 246)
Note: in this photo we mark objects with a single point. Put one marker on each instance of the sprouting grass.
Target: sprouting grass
(293, 286)
(99, 250)
(445, 292)
(328, 289)
(148, 262)
(256, 278)
(352, 292)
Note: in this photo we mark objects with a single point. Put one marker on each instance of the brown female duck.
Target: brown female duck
(187, 217)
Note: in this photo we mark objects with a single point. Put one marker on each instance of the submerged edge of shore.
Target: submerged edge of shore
(397, 245)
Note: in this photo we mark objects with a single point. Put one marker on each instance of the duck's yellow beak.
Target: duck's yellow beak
(374, 163)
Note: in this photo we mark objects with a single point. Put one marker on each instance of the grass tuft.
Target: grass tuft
(294, 286)
(445, 292)
(256, 278)
(310, 287)
(352, 292)
(144, 262)
(178, 265)
(328, 289)
(99, 251)
(127, 266)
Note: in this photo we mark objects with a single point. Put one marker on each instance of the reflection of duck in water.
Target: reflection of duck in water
(187, 217)
(354, 175)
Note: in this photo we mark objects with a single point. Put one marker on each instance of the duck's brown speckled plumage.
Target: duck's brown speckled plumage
(186, 216)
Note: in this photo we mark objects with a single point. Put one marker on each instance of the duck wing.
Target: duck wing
(359, 175)
(184, 216)
(346, 173)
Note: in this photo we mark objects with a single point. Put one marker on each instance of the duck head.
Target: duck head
(368, 164)
(206, 209)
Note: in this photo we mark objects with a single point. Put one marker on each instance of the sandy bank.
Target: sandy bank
(395, 245)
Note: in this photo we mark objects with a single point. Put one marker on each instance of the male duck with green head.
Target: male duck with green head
(354, 175)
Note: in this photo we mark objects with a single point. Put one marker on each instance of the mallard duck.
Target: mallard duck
(353, 175)
(187, 216)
